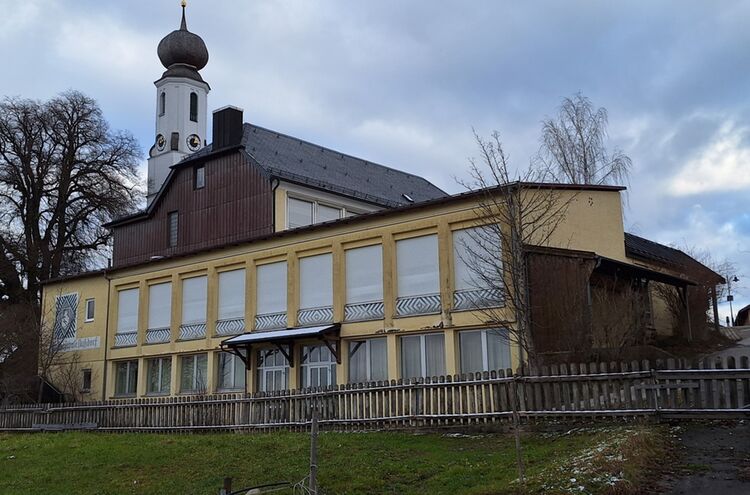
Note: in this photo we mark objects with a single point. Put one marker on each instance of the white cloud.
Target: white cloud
(722, 165)
(17, 16)
(105, 47)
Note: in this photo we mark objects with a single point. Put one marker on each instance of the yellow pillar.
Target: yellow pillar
(339, 282)
(393, 356)
(292, 289)
(212, 304)
(142, 315)
(176, 307)
(174, 379)
(445, 252)
(140, 389)
(389, 282)
(342, 370)
(451, 352)
(250, 299)
(212, 372)
(295, 380)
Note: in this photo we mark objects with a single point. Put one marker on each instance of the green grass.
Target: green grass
(350, 463)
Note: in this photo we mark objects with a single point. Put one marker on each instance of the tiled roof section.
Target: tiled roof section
(639, 247)
(310, 164)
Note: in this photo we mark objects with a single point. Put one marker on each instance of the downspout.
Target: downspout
(106, 339)
(274, 185)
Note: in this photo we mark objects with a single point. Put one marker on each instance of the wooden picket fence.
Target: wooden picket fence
(595, 390)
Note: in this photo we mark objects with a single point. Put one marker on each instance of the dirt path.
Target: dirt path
(714, 459)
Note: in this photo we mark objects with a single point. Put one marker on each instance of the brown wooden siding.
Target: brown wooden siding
(236, 204)
(559, 302)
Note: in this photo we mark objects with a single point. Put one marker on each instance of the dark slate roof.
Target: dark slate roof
(302, 162)
(639, 247)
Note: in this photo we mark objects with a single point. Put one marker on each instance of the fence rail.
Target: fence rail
(566, 391)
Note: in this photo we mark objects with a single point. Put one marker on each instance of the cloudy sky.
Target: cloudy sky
(403, 83)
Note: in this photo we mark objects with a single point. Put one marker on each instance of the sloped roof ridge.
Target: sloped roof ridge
(343, 154)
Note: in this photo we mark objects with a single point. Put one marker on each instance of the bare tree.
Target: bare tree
(573, 146)
(514, 211)
(63, 173)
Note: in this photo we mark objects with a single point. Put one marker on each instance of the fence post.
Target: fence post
(655, 391)
(314, 452)
(517, 429)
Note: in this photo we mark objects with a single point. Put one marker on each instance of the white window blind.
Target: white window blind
(476, 258)
(271, 288)
(127, 310)
(159, 305)
(194, 300)
(364, 274)
(328, 213)
(417, 264)
(300, 212)
(232, 294)
(316, 281)
(422, 355)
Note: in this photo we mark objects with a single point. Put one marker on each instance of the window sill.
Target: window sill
(157, 394)
(124, 396)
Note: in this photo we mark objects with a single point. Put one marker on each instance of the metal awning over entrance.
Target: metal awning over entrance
(284, 339)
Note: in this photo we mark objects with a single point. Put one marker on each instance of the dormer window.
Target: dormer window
(162, 103)
(193, 107)
(199, 179)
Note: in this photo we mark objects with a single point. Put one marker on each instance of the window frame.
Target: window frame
(128, 364)
(307, 367)
(161, 361)
(194, 390)
(344, 212)
(423, 355)
(90, 301)
(485, 348)
(219, 375)
(199, 171)
(86, 375)
(193, 106)
(368, 357)
(263, 369)
(173, 216)
(201, 285)
(162, 103)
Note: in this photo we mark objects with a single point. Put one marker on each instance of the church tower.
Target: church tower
(181, 99)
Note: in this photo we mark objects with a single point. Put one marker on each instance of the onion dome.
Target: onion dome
(182, 51)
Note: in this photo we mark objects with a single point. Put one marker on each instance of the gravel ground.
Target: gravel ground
(714, 458)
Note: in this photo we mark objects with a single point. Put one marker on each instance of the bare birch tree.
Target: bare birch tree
(515, 210)
(573, 146)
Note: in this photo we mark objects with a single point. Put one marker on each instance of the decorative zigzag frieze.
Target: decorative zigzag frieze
(364, 311)
(315, 315)
(418, 305)
(270, 321)
(477, 298)
(126, 339)
(230, 326)
(192, 331)
(158, 335)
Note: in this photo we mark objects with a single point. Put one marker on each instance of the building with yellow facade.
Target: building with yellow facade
(265, 262)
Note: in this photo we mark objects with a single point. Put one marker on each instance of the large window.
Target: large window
(194, 300)
(127, 317)
(418, 276)
(484, 350)
(126, 378)
(271, 296)
(273, 370)
(302, 212)
(159, 305)
(159, 376)
(422, 355)
(231, 302)
(316, 289)
(193, 374)
(368, 360)
(172, 219)
(364, 283)
(318, 366)
(232, 372)
(478, 267)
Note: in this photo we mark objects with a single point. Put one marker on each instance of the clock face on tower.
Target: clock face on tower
(161, 142)
(194, 142)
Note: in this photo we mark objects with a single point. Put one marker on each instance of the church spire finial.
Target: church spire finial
(183, 25)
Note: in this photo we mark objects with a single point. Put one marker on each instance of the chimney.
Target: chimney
(227, 127)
